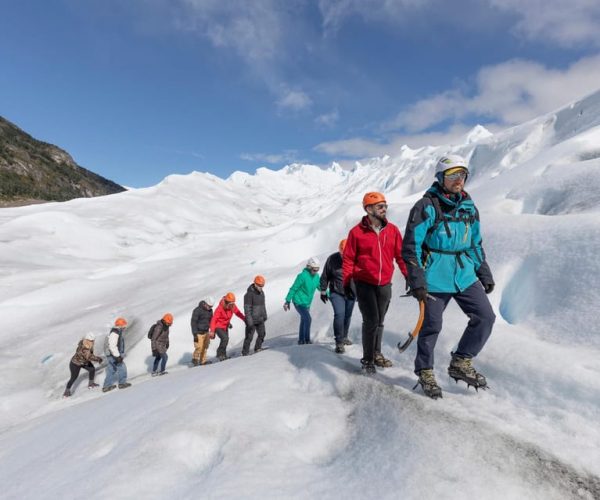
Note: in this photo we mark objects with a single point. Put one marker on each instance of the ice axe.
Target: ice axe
(411, 336)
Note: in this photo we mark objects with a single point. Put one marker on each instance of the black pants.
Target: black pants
(373, 302)
(75, 369)
(223, 335)
(259, 328)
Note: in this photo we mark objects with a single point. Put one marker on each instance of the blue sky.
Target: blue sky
(136, 90)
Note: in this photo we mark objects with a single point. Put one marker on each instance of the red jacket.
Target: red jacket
(369, 257)
(222, 316)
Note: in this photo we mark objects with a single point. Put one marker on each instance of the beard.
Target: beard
(381, 218)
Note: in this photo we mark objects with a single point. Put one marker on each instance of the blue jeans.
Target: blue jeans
(474, 303)
(114, 370)
(305, 320)
(158, 357)
(342, 314)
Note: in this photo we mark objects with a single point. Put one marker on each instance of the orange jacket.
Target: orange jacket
(222, 316)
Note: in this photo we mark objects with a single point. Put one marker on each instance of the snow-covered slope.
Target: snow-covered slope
(296, 421)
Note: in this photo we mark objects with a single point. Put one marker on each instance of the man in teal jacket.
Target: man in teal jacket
(301, 295)
(445, 259)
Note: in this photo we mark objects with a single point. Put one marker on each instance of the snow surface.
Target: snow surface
(300, 421)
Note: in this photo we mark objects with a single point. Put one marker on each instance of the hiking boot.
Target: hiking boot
(301, 342)
(195, 362)
(154, 374)
(245, 353)
(109, 388)
(347, 341)
(462, 369)
(368, 367)
(125, 385)
(381, 361)
(67, 393)
(92, 385)
(308, 342)
(163, 373)
(339, 348)
(223, 357)
(429, 384)
(207, 362)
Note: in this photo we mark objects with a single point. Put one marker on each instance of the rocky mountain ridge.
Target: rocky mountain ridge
(32, 171)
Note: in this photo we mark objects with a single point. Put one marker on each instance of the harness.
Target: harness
(441, 218)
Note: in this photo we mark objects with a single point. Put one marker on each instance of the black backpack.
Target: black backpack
(151, 331)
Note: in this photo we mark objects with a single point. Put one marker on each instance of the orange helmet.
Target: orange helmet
(168, 319)
(342, 245)
(259, 280)
(229, 297)
(120, 322)
(373, 198)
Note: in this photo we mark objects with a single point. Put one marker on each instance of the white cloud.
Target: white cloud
(508, 93)
(566, 23)
(258, 32)
(365, 148)
(335, 12)
(294, 100)
(254, 30)
(288, 156)
(328, 119)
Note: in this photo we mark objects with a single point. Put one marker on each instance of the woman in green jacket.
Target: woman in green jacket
(301, 295)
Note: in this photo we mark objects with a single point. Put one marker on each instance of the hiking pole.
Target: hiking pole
(416, 329)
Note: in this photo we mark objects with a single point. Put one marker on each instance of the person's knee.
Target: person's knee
(432, 326)
(486, 316)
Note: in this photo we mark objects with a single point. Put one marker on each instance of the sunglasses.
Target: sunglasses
(456, 176)
(315, 269)
(380, 206)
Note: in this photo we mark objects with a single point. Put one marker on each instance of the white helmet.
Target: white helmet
(447, 162)
(314, 263)
(90, 336)
(210, 301)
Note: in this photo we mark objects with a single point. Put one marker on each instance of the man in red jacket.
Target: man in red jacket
(219, 324)
(371, 248)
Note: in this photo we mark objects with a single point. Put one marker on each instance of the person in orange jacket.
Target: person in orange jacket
(220, 323)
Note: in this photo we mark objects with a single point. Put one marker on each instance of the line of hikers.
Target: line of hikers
(441, 258)
(205, 325)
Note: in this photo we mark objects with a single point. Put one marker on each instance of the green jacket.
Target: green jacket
(303, 290)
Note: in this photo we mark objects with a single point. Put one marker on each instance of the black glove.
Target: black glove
(100, 359)
(229, 326)
(167, 345)
(195, 337)
(349, 293)
(154, 353)
(286, 306)
(324, 298)
(119, 360)
(488, 287)
(420, 294)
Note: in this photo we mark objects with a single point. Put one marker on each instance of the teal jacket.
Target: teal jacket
(444, 254)
(303, 290)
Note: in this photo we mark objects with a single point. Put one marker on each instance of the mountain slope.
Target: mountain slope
(33, 170)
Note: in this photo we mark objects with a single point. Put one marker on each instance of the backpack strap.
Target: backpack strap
(441, 218)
